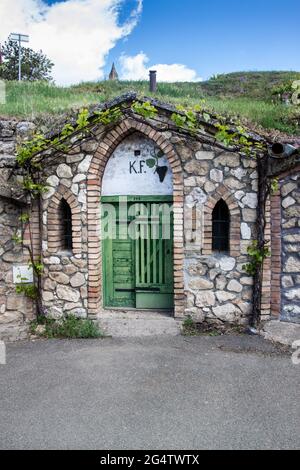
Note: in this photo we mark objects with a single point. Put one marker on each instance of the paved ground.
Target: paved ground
(177, 393)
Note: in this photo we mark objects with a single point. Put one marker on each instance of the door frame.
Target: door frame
(106, 147)
(160, 199)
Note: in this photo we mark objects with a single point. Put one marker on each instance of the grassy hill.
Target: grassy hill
(247, 95)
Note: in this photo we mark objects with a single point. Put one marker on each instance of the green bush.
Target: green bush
(67, 327)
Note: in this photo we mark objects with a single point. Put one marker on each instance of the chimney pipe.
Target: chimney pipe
(153, 82)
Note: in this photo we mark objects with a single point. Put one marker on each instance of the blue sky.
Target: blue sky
(207, 38)
(218, 36)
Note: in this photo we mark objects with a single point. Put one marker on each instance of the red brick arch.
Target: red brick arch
(94, 184)
(55, 224)
(235, 221)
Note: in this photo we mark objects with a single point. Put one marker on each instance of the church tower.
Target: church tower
(113, 73)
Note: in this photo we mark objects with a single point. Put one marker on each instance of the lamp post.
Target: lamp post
(19, 38)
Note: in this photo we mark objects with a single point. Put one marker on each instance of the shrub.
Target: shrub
(67, 327)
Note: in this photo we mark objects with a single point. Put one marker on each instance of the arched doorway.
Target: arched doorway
(137, 227)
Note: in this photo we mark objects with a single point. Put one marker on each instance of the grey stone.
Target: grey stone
(201, 155)
(82, 196)
(239, 195)
(234, 286)
(234, 183)
(293, 294)
(75, 158)
(287, 189)
(239, 173)
(246, 281)
(197, 314)
(49, 285)
(84, 166)
(209, 187)
(66, 182)
(49, 193)
(71, 305)
(52, 181)
(75, 189)
(15, 302)
(79, 178)
(245, 231)
(67, 293)
(78, 312)
(231, 160)
(198, 168)
(227, 263)
(227, 312)
(205, 299)
(196, 196)
(292, 223)
(190, 182)
(201, 284)
(89, 146)
(292, 265)
(288, 202)
(47, 296)
(11, 317)
(221, 282)
(216, 175)
(249, 215)
(223, 296)
(52, 260)
(280, 332)
(64, 171)
(197, 269)
(59, 277)
(250, 200)
(77, 280)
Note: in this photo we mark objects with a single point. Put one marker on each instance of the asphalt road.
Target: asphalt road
(227, 392)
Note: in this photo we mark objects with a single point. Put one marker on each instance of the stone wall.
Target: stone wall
(290, 235)
(15, 310)
(65, 276)
(217, 288)
(209, 286)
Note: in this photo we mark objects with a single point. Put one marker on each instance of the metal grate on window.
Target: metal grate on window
(220, 227)
(66, 225)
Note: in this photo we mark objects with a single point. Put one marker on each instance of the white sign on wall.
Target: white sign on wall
(22, 274)
(137, 168)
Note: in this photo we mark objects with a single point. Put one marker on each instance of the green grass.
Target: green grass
(246, 95)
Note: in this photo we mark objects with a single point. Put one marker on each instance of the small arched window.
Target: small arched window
(66, 225)
(220, 227)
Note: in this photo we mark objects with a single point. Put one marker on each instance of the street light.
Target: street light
(19, 38)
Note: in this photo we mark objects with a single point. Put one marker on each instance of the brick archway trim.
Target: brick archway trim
(235, 221)
(94, 184)
(55, 224)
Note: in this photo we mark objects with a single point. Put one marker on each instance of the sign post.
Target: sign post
(19, 38)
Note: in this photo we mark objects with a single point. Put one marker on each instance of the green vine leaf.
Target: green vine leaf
(151, 162)
(82, 119)
(257, 257)
(144, 109)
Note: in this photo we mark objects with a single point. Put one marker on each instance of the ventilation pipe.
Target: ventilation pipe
(153, 81)
(279, 150)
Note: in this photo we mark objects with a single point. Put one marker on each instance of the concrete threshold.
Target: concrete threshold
(132, 323)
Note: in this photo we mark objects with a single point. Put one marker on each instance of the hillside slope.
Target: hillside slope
(247, 95)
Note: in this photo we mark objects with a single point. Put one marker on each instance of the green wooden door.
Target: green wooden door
(138, 255)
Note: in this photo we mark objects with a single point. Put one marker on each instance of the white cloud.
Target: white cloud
(136, 68)
(76, 35)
